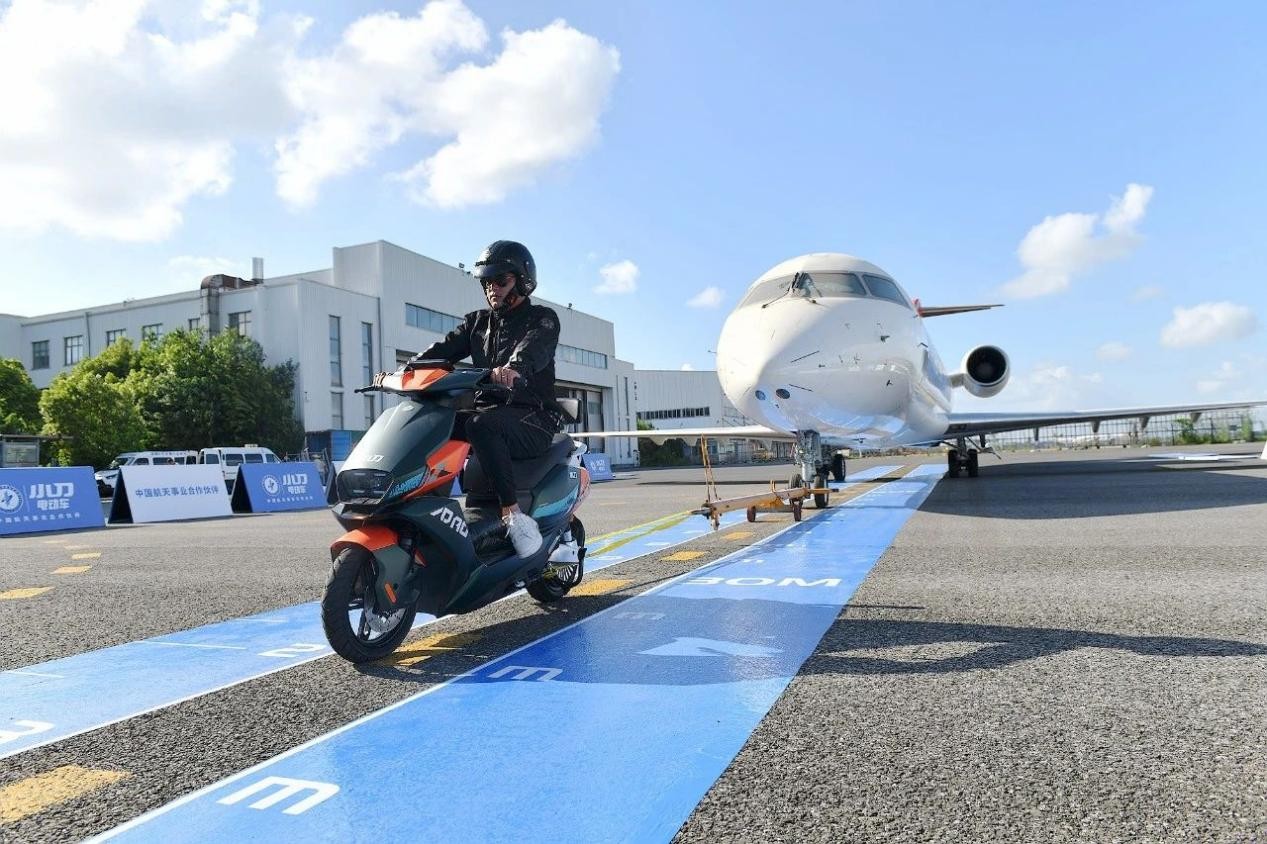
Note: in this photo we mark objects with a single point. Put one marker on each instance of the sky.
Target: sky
(1100, 169)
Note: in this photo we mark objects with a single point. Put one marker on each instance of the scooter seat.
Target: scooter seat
(528, 472)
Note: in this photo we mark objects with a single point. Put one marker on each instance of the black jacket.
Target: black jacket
(524, 338)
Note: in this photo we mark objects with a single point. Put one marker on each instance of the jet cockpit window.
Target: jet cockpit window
(767, 291)
(883, 288)
(827, 285)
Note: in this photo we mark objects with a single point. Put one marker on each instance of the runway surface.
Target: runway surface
(1071, 647)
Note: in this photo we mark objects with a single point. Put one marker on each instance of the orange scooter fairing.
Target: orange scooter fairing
(372, 537)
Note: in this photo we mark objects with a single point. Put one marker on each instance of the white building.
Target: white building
(377, 305)
(672, 398)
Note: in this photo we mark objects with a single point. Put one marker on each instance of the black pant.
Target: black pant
(501, 434)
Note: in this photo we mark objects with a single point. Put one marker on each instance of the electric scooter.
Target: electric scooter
(410, 547)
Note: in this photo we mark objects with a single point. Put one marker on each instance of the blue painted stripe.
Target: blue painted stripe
(610, 729)
(52, 701)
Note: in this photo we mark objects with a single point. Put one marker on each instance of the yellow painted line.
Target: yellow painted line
(16, 594)
(54, 542)
(739, 534)
(598, 587)
(87, 555)
(73, 547)
(655, 526)
(656, 522)
(35, 794)
(684, 555)
(429, 646)
(71, 570)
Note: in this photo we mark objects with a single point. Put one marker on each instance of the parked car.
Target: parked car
(108, 477)
(229, 458)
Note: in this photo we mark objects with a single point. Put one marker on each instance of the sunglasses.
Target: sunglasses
(500, 281)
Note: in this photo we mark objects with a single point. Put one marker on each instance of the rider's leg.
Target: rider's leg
(497, 436)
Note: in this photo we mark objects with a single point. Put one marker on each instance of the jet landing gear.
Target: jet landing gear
(961, 457)
(808, 454)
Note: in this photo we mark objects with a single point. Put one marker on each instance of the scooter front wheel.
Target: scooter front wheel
(355, 626)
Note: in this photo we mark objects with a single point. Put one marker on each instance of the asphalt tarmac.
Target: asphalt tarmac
(1071, 647)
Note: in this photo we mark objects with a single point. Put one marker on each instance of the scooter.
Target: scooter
(410, 547)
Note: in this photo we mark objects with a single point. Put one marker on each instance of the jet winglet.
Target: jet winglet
(945, 310)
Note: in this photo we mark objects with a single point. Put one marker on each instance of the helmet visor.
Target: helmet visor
(495, 269)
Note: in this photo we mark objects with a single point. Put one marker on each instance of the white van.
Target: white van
(109, 476)
(229, 458)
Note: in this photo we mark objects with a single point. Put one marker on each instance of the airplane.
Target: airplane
(826, 349)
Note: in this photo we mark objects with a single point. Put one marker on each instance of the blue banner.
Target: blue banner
(272, 487)
(33, 500)
(599, 466)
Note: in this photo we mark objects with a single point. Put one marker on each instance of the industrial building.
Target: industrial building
(374, 307)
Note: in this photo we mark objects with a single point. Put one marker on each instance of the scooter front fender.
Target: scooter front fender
(394, 586)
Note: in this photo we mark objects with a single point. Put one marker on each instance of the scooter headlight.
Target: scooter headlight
(363, 486)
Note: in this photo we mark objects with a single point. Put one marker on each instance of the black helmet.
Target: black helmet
(507, 256)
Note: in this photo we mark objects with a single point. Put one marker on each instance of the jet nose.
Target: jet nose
(765, 355)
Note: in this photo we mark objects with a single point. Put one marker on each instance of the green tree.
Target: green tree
(19, 400)
(197, 392)
(94, 416)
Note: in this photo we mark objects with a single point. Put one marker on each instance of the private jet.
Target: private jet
(828, 351)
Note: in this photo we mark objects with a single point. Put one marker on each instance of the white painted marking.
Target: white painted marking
(35, 674)
(690, 646)
(32, 728)
(641, 616)
(295, 650)
(189, 645)
(524, 672)
(322, 791)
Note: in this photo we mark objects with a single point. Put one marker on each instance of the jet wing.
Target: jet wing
(659, 435)
(971, 424)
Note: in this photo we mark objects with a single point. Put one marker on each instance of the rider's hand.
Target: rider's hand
(504, 376)
(378, 379)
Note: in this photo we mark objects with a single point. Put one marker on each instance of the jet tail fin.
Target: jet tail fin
(945, 310)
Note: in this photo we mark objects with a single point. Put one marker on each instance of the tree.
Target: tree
(94, 415)
(197, 392)
(19, 400)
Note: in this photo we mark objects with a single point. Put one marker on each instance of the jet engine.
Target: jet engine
(983, 372)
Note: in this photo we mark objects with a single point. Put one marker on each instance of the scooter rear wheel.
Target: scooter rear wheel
(548, 590)
(366, 635)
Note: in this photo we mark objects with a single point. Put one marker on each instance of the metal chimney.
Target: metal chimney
(257, 269)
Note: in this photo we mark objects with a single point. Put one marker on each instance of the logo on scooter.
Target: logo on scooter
(271, 486)
(10, 499)
(448, 519)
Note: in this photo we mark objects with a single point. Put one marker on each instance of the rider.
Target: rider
(516, 340)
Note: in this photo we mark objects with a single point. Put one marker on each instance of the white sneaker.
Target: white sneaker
(522, 531)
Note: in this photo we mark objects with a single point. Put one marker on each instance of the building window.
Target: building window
(39, 354)
(367, 353)
(584, 357)
(116, 334)
(195, 323)
(73, 349)
(336, 411)
(240, 323)
(676, 413)
(151, 333)
(369, 412)
(336, 354)
(430, 320)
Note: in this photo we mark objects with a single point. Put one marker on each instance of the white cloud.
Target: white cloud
(1208, 322)
(1060, 247)
(1148, 291)
(1113, 351)
(189, 270)
(686, 367)
(1227, 373)
(118, 113)
(1048, 387)
(709, 297)
(621, 277)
